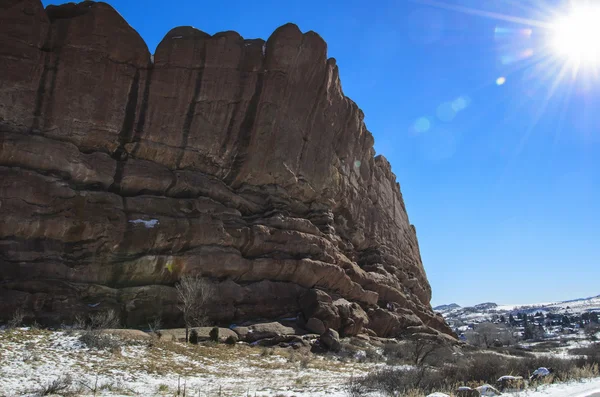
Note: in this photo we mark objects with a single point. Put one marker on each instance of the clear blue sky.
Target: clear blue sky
(505, 193)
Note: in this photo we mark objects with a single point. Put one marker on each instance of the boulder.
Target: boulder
(172, 334)
(260, 331)
(318, 304)
(465, 391)
(487, 391)
(390, 324)
(540, 373)
(353, 317)
(315, 325)
(511, 383)
(128, 333)
(203, 334)
(283, 341)
(331, 340)
(224, 333)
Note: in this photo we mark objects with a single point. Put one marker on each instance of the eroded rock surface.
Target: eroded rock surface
(240, 160)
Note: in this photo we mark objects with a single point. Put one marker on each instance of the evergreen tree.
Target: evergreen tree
(511, 319)
(528, 331)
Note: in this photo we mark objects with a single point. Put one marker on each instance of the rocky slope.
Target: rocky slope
(239, 160)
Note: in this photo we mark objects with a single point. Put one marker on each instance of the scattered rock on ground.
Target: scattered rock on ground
(315, 325)
(259, 331)
(331, 340)
(128, 333)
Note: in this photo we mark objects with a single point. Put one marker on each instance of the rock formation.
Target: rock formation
(238, 160)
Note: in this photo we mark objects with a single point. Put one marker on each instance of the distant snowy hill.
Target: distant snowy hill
(445, 308)
(484, 311)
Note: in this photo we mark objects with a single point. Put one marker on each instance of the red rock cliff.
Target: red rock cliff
(240, 160)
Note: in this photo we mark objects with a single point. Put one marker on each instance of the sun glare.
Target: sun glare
(575, 36)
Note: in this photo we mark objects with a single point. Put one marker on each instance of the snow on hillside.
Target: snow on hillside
(483, 311)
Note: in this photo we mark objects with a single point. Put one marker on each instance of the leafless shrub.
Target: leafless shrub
(591, 352)
(400, 382)
(94, 336)
(193, 293)
(105, 320)
(267, 351)
(57, 386)
(155, 324)
(97, 339)
(29, 357)
(79, 322)
(395, 353)
(418, 351)
(305, 360)
(17, 319)
(354, 388)
(470, 369)
(592, 330)
(489, 334)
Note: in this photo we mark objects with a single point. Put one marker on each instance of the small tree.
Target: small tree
(592, 330)
(489, 334)
(193, 293)
(423, 348)
(528, 331)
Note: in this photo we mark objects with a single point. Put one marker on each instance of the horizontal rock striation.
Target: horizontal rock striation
(238, 160)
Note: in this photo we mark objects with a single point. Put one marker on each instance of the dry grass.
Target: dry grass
(166, 361)
(472, 370)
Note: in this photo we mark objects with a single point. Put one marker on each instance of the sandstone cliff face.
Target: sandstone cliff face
(240, 160)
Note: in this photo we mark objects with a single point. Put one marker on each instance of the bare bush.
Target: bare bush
(97, 339)
(57, 386)
(592, 330)
(354, 388)
(193, 292)
(418, 352)
(17, 319)
(79, 322)
(470, 369)
(105, 320)
(400, 382)
(591, 353)
(422, 348)
(155, 324)
(94, 336)
(490, 334)
(395, 353)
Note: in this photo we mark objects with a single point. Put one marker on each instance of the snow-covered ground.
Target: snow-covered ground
(584, 388)
(32, 359)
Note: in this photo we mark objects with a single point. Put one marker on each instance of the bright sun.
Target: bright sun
(575, 36)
